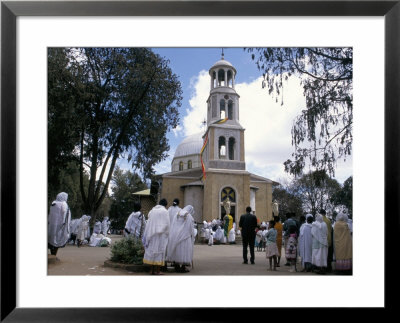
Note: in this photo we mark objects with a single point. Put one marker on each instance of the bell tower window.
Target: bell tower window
(221, 147)
(222, 113)
(221, 78)
(231, 146)
(230, 78)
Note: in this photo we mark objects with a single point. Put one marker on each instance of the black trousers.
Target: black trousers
(248, 241)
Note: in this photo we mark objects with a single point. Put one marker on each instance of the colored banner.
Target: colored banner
(205, 144)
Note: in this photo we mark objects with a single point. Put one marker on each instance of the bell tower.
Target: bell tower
(225, 148)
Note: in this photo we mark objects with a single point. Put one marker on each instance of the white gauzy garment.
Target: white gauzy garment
(83, 228)
(97, 227)
(231, 235)
(74, 225)
(136, 224)
(172, 212)
(155, 236)
(219, 234)
(181, 237)
(105, 225)
(319, 232)
(211, 240)
(95, 239)
(305, 243)
(207, 233)
(59, 221)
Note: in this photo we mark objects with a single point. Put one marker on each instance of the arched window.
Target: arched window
(228, 192)
(181, 165)
(230, 78)
(231, 148)
(230, 110)
(222, 112)
(221, 147)
(221, 77)
(214, 78)
(189, 164)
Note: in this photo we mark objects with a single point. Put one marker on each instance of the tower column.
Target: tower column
(226, 77)
(212, 80)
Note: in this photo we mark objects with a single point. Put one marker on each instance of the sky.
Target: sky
(268, 124)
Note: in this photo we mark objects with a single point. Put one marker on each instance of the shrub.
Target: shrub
(128, 251)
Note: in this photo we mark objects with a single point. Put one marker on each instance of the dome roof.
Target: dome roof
(191, 145)
(221, 63)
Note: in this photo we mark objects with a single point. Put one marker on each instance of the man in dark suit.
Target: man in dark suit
(247, 225)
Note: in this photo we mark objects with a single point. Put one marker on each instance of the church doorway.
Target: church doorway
(228, 194)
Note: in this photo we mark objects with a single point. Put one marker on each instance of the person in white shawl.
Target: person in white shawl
(82, 230)
(232, 236)
(181, 239)
(136, 222)
(97, 227)
(319, 232)
(305, 243)
(59, 223)
(155, 237)
(219, 235)
(105, 225)
(173, 210)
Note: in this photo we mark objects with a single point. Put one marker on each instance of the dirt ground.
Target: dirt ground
(207, 260)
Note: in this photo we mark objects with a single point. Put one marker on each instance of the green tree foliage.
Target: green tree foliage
(344, 197)
(288, 201)
(316, 190)
(106, 104)
(68, 181)
(322, 133)
(124, 184)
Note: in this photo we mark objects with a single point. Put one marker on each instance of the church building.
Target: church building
(209, 168)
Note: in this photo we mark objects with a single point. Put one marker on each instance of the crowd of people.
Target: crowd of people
(317, 244)
(62, 229)
(168, 235)
(320, 244)
(219, 232)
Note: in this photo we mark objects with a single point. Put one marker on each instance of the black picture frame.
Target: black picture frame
(10, 10)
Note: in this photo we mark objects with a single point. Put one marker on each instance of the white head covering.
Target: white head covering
(342, 217)
(62, 197)
(308, 215)
(59, 221)
(319, 231)
(181, 229)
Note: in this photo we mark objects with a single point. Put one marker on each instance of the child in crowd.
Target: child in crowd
(291, 249)
(211, 239)
(258, 238)
(271, 249)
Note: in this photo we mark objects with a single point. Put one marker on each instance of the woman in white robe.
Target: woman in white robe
(136, 222)
(181, 239)
(231, 236)
(105, 225)
(97, 227)
(59, 223)
(82, 230)
(319, 232)
(173, 210)
(219, 235)
(155, 237)
(305, 243)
